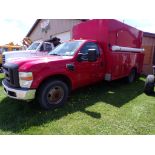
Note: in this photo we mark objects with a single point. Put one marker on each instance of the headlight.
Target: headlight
(25, 79)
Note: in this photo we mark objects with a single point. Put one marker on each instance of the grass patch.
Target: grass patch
(104, 108)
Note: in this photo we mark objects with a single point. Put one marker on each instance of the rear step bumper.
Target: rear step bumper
(19, 93)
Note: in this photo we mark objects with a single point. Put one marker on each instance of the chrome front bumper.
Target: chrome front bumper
(19, 93)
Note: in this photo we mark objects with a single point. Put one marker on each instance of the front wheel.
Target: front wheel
(52, 94)
(149, 84)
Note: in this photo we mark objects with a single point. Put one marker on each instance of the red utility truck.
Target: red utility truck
(101, 49)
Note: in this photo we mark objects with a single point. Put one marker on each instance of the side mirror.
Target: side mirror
(79, 57)
(92, 55)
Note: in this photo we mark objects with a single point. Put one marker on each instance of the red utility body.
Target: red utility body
(110, 32)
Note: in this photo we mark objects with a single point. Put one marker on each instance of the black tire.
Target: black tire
(132, 76)
(149, 85)
(52, 94)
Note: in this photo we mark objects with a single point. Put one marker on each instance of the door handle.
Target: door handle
(70, 67)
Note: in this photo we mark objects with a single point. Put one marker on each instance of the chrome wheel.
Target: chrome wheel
(55, 95)
(52, 94)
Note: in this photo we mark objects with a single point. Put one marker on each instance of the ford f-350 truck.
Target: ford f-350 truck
(104, 49)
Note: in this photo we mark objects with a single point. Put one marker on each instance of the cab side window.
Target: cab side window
(48, 47)
(86, 47)
(90, 45)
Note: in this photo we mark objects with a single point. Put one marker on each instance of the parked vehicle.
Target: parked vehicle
(8, 47)
(37, 48)
(100, 49)
(150, 83)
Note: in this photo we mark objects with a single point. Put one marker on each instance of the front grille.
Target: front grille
(11, 74)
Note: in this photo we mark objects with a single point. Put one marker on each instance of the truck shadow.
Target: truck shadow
(16, 116)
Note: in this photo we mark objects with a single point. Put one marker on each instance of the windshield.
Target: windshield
(66, 48)
(33, 46)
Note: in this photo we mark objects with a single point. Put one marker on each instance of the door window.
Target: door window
(86, 47)
(48, 47)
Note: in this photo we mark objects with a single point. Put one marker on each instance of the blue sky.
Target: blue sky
(147, 25)
(14, 30)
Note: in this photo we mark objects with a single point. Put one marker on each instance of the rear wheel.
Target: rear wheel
(132, 76)
(149, 84)
(52, 94)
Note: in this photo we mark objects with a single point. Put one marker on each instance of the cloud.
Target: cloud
(14, 30)
(147, 25)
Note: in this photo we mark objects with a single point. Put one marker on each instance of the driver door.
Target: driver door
(89, 72)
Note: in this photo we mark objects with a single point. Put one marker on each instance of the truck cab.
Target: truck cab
(8, 47)
(71, 65)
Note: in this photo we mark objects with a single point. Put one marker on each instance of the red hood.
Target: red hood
(29, 62)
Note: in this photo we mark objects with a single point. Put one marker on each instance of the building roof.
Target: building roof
(148, 34)
(33, 27)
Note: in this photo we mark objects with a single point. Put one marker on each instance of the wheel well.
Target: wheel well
(58, 77)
